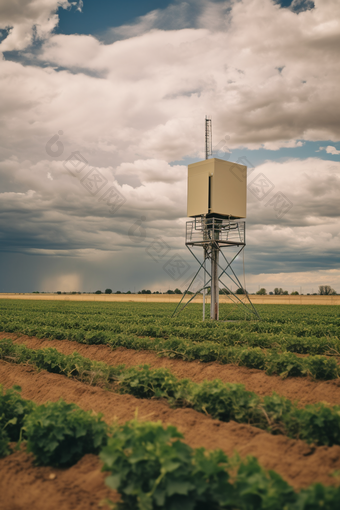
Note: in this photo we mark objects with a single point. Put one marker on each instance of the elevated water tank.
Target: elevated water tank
(217, 188)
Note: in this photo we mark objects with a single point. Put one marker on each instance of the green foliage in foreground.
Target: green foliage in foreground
(317, 423)
(59, 434)
(13, 410)
(153, 469)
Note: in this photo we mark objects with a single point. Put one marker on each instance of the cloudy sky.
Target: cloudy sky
(102, 107)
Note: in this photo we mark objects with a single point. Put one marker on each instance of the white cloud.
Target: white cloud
(287, 144)
(311, 185)
(153, 90)
(153, 170)
(28, 19)
(260, 85)
(330, 150)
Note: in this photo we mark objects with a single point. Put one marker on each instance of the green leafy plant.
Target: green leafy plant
(318, 423)
(152, 469)
(255, 488)
(317, 497)
(13, 409)
(59, 434)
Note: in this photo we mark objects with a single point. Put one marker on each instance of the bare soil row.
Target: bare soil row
(25, 486)
(297, 462)
(304, 390)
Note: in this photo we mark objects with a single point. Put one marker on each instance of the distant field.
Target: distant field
(174, 298)
(214, 381)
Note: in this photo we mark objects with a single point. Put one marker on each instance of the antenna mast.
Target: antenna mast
(208, 138)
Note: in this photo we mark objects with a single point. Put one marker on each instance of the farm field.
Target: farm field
(268, 389)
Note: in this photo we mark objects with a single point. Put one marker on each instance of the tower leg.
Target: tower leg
(204, 279)
(214, 303)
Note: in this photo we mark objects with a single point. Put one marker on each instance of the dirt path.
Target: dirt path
(25, 486)
(305, 390)
(300, 464)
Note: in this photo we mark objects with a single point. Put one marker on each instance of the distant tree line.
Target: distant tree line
(324, 290)
(144, 291)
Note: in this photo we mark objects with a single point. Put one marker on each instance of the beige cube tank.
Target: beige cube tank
(217, 187)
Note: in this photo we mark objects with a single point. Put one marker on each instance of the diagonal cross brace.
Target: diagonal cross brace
(223, 271)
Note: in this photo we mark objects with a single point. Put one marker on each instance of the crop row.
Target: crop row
(149, 465)
(299, 321)
(285, 364)
(300, 327)
(277, 339)
(317, 423)
(271, 361)
(227, 337)
(68, 320)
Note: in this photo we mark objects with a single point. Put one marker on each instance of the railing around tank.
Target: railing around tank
(204, 230)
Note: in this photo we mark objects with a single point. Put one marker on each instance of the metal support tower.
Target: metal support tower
(214, 235)
(214, 291)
